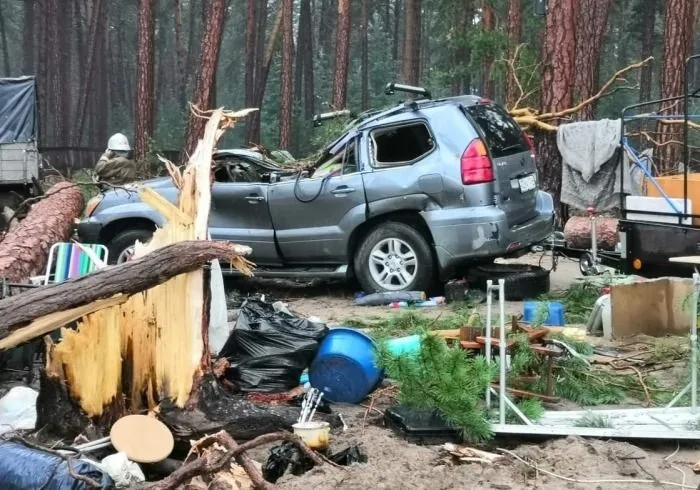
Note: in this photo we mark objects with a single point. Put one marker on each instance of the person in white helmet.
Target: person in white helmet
(116, 166)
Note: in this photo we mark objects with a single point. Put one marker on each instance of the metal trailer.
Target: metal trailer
(645, 246)
(19, 154)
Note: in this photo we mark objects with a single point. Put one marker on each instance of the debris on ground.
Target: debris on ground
(463, 454)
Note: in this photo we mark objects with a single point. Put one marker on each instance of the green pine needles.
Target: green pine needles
(444, 378)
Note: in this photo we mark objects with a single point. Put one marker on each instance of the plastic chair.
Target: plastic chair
(71, 260)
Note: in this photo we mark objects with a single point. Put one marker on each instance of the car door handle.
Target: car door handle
(342, 190)
(254, 198)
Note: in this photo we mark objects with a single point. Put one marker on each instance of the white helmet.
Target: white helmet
(118, 142)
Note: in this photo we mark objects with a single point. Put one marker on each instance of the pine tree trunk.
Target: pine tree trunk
(101, 100)
(5, 49)
(42, 73)
(251, 37)
(206, 76)
(144, 115)
(261, 81)
(556, 90)
(286, 76)
(299, 58)
(364, 54)
(327, 25)
(515, 27)
(342, 55)
(308, 55)
(487, 62)
(649, 12)
(591, 23)
(180, 55)
(411, 45)
(395, 52)
(29, 38)
(678, 28)
(24, 251)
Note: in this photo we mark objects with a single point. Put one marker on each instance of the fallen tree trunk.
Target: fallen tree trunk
(131, 277)
(577, 232)
(25, 249)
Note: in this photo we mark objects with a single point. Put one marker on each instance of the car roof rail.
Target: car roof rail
(319, 118)
(392, 88)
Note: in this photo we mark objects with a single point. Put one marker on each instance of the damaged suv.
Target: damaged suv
(406, 196)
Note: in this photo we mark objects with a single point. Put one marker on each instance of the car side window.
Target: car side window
(401, 144)
(344, 162)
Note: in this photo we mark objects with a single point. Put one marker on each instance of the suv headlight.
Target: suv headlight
(92, 204)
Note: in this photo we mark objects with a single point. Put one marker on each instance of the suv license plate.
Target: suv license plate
(527, 184)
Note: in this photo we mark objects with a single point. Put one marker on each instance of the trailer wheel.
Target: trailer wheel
(522, 281)
(586, 264)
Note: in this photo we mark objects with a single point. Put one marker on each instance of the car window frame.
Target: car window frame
(373, 144)
(354, 140)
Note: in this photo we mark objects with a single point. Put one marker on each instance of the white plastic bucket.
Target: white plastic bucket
(316, 435)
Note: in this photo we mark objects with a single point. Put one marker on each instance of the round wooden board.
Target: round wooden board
(142, 438)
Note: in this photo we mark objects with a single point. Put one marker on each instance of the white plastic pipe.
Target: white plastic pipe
(489, 330)
(694, 344)
(502, 349)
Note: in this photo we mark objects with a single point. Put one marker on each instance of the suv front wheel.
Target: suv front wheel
(394, 257)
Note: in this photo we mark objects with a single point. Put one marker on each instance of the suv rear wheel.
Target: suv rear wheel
(394, 257)
(121, 247)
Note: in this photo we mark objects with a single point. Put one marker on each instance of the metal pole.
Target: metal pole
(694, 343)
(489, 305)
(502, 350)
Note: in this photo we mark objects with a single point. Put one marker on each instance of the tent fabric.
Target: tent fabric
(17, 110)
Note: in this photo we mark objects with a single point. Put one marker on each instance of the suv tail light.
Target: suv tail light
(476, 164)
(530, 144)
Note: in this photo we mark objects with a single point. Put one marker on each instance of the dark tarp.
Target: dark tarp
(17, 110)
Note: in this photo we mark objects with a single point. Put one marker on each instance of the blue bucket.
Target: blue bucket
(345, 368)
(532, 313)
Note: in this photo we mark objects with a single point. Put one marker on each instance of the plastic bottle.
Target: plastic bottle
(432, 302)
(389, 297)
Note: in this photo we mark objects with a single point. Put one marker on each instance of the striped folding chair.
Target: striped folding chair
(70, 260)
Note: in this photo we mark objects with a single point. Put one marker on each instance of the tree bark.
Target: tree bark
(206, 76)
(28, 38)
(556, 90)
(649, 10)
(515, 27)
(577, 232)
(342, 56)
(24, 251)
(364, 54)
(261, 84)
(395, 52)
(308, 56)
(411, 45)
(591, 22)
(327, 25)
(487, 62)
(286, 85)
(180, 55)
(5, 50)
(128, 278)
(678, 28)
(144, 115)
(251, 38)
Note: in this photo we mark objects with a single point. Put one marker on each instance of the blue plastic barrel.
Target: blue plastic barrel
(345, 368)
(533, 312)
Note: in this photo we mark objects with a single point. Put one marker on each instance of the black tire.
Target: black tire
(521, 281)
(425, 268)
(126, 239)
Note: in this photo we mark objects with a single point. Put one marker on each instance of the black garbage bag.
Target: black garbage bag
(23, 468)
(349, 455)
(268, 349)
(281, 458)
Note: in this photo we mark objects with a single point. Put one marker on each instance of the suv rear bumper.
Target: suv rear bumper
(466, 235)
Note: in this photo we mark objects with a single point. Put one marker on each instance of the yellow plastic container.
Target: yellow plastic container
(673, 187)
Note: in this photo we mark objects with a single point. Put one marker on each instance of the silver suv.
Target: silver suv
(407, 196)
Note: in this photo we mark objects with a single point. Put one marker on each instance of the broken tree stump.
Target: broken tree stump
(577, 232)
(128, 278)
(24, 251)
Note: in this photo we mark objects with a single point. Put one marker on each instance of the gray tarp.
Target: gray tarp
(590, 166)
(17, 110)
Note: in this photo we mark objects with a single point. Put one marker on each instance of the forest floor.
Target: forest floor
(394, 463)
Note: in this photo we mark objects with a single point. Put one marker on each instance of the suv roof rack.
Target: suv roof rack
(319, 118)
(392, 88)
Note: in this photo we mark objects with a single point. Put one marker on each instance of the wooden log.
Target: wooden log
(577, 232)
(131, 277)
(25, 249)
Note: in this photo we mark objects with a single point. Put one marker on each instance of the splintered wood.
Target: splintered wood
(153, 346)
